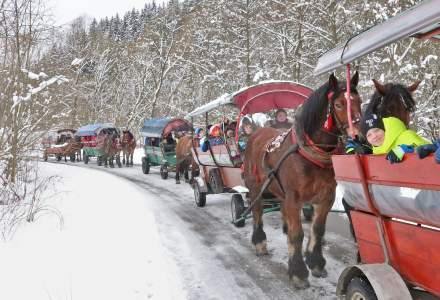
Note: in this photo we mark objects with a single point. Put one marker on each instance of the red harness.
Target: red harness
(316, 155)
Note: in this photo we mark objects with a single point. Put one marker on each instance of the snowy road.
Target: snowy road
(202, 255)
(214, 259)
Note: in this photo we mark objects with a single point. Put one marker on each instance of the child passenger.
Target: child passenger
(390, 136)
(246, 131)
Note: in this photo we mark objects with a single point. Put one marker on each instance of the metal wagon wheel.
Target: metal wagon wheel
(237, 210)
(145, 165)
(164, 171)
(199, 197)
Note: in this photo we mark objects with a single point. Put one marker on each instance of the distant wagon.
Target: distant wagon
(61, 143)
(160, 145)
(101, 141)
(396, 208)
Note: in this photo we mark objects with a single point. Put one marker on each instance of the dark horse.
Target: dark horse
(184, 159)
(296, 178)
(128, 144)
(110, 150)
(393, 100)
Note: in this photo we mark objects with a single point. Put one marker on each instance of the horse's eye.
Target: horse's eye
(339, 106)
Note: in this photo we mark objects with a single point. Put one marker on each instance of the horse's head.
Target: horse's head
(337, 104)
(324, 115)
(393, 100)
(126, 136)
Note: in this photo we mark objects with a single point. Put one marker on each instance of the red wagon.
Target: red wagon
(221, 166)
(396, 215)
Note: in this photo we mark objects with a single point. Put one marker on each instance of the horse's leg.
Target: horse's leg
(123, 157)
(177, 173)
(110, 159)
(131, 154)
(186, 172)
(258, 235)
(297, 268)
(314, 258)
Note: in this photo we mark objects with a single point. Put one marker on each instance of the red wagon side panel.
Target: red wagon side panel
(414, 250)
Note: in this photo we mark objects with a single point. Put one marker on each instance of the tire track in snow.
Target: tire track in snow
(229, 248)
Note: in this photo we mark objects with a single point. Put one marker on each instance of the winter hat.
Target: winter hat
(215, 130)
(246, 121)
(370, 121)
(198, 130)
(280, 110)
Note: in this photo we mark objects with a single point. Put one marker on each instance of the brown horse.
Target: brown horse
(393, 100)
(301, 171)
(128, 144)
(184, 159)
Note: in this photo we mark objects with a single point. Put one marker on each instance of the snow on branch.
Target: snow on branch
(43, 85)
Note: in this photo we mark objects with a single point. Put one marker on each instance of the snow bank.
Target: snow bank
(108, 248)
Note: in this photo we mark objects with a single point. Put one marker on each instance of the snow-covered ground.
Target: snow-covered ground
(107, 248)
(127, 235)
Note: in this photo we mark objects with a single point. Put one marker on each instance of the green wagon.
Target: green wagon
(93, 139)
(159, 144)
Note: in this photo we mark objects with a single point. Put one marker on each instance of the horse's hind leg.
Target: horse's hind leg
(258, 235)
(178, 173)
(297, 268)
(314, 258)
(131, 158)
(186, 172)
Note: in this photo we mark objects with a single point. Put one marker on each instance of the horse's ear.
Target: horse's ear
(333, 82)
(355, 79)
(414, 86)
(379, 87)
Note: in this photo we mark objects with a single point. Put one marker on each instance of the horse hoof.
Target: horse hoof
(320, 273)
(299, 283)
(261, 248)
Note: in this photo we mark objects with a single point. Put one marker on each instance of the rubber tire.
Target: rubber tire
(164, 171)
(199, 197)
(237, 210)
(308, 211)
(145, 166)
(99, 160)
(215, 181)
(72, 158)
(118, 161)
(86, 159)
(359, 287)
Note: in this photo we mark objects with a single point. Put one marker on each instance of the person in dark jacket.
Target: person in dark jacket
(281, 121)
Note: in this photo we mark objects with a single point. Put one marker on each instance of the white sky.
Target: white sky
(66, 10)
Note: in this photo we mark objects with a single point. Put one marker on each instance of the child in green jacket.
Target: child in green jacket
(390, 136)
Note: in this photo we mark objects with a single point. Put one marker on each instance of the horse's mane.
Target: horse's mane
(395, 92)
(314, 109)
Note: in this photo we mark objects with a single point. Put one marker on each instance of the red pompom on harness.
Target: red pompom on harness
(328, 124)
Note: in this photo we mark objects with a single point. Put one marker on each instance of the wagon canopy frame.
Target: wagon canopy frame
(421, 21)
(261, 97)
(94, 129)
(161, 127)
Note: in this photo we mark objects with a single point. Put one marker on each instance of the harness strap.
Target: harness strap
(272, 173)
